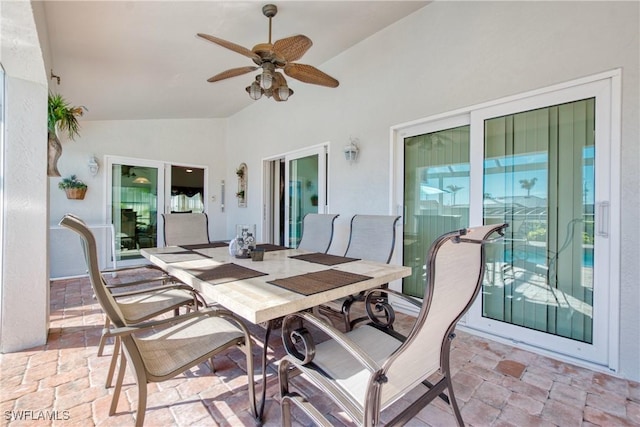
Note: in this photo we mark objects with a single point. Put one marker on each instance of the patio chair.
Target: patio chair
(146, 300)
(185, 229)
(317, 232)
(366, 370)
(372, 238)
(143, 301)
(161, 349)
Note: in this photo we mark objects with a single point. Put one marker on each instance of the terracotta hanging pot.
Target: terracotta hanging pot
(54, 153)
(75, 193)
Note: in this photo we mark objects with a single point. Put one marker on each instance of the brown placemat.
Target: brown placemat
(207, 245)
(324, 259)
(224, 273)
(319, 281)
(177, 254)
(268, 247)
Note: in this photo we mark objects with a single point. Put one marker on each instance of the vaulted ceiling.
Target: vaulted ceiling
(142, 59)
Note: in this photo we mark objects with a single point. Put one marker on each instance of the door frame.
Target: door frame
(609, 166)
(270, 188)
(163, 196)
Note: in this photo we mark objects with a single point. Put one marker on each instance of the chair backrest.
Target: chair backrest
(455, 269)
(317, 232)
(104, 297)
(372, 237)
(185, 229)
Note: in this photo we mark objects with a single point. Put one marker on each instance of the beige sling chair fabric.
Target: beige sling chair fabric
(158, 350)
(367, 369)
(317, 232)
(185, 229)
(372, 238)
(142, 299)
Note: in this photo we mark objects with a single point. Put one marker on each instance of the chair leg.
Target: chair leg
(247, 349)
(346, 312)
(118, 387)
(103, 338)
(285, 404)
(112, 365)
(453, 402)
(142, 401)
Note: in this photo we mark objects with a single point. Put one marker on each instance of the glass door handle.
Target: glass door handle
(602, 219)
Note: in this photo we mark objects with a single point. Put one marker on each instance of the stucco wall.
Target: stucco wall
(186, 141)
(446, 56)
(24, 286)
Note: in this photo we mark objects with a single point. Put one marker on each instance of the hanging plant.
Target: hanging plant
(63, 117)
(74, 188)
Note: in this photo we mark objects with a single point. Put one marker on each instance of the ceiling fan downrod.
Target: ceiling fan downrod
(269, 10)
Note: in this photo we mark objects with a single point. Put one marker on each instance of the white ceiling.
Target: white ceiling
(142, 59)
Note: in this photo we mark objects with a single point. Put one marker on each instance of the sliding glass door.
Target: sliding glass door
(140, 191)
(136, 197)
(542, 164)
(305, 175)
(539, 177)
(436, 195)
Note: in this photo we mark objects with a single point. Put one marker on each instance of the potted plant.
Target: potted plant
(62, 116)
(74, 188)
(240, 194)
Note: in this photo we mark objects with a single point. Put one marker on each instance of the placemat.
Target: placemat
(268, 247)
(319, 281)
(207, 245)
(324, 259)
(177, 254)
(224, 273)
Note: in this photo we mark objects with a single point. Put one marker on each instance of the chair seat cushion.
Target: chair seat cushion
(341, 367)
(174, 349)
(138, 308)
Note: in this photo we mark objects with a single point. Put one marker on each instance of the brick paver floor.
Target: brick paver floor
(62, 383)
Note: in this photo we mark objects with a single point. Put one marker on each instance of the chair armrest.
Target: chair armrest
(329, 330)
(139, 282)
(135, 267)
(416, 302)
(153, 289)
(139, 327)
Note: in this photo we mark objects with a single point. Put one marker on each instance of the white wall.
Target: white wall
(446, 56)
(187, 141)
(24, 286)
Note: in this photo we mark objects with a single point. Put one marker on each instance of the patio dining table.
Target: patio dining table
(263, 292)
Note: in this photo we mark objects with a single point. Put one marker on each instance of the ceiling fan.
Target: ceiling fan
(271, 58)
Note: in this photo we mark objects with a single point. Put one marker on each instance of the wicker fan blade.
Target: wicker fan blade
(310, 74)
(292, 48)
(231, 73)
(232, 46)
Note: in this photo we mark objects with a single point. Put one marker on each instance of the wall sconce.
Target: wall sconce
(351, 151)
(93, 166)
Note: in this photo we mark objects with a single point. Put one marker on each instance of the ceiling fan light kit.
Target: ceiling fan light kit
(270, 58)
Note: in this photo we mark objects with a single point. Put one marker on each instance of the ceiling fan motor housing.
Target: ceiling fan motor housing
(269, 10)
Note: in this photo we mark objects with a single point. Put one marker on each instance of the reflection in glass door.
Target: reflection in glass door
(187, 189)
(546, 164)
(306, 176)
(436, 195)
(134, 207)
(539, 177)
